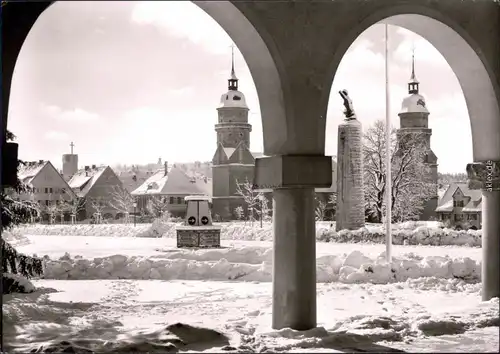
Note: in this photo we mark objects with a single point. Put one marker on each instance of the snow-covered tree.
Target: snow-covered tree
(320, 209)
(158, 207)
(74, 207)
(15, 212)
(410, 187)
(99, 204)
(122, 201)
(250, 197)
(239, 212)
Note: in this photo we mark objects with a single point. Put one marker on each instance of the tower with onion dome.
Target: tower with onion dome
(232, 162)
(414, 119)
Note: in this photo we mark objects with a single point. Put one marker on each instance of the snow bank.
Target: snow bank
(14, 283)
(15, 237)
(255, 264)
(408, 233)
(402, 234)
(116, 230)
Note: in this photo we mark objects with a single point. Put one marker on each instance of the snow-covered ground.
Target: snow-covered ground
(126, 290)
(409, 315)
(158, 258)
(411, 233)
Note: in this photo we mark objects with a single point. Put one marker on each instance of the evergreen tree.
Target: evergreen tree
(15, 212)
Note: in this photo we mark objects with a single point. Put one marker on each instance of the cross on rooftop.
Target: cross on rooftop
(71, 145)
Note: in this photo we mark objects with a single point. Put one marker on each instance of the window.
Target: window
(458, 203)
(47, 203)
(50, 190)
(63, 190)
(179, 200)
(46, 190)
(473, 217)
(171, 200)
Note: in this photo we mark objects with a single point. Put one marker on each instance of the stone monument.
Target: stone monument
(350, 194)
(197, 230)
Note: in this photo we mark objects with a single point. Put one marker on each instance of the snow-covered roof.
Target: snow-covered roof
(229, 151)
(175, 182)
(233, 98)
(414, 103)
(26, 173)
(446, 202)
(83, 180)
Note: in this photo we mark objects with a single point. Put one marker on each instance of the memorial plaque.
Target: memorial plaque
(210, 238)
(187, 238)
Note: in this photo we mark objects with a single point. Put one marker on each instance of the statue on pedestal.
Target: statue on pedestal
(349, 110)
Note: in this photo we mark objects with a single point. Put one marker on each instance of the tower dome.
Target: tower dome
(415, 102)
(233, 98)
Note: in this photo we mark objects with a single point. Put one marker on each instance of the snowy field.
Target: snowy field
(411, 233)
(122, 293)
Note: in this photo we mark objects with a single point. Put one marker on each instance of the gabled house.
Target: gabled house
(171, 185)
(47, 185)
(461, 206)
(98, 186)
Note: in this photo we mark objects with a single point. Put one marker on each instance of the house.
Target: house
(460, 206)
(99, 186)
(48, 186)
(171, 185)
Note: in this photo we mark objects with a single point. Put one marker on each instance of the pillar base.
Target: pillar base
(294, 259)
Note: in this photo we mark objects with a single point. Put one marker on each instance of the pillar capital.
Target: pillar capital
(484, 175)
(293, 171)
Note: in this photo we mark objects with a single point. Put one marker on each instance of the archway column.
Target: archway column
(486, 176)
(293, 178)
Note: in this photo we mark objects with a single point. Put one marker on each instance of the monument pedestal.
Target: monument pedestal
(350, 194)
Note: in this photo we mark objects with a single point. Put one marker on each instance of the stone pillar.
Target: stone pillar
(350, 194)
(293, 180)
(486, 176)
(294, 259)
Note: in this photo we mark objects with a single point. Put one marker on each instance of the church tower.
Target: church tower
(232, 163)
(414, 119)
(69, 164)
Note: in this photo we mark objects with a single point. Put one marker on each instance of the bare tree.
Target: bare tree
(158, 206)
(74, 207)
(98, 204)
(320, 209)
(410, 187)
(239, 212)
(250, 197)
(265, 210)
(122, 201)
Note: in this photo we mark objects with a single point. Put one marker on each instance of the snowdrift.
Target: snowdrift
(255, 264)
(409, 233)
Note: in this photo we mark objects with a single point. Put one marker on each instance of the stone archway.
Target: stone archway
(475, 70)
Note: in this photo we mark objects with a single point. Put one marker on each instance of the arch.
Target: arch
(253, 48)
(474, 73)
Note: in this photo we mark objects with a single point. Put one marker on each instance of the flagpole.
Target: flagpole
(388, 185)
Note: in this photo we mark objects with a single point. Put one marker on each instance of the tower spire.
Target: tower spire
(233, 80)
(413, 83)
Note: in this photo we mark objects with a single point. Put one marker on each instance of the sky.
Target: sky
(130, 82)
